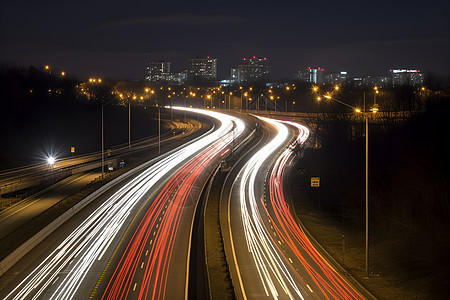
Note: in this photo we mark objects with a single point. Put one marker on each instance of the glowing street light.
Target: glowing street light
(374, 109)
(51, 160)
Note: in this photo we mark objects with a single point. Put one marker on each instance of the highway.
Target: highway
(158, 255)
(134, 241)
(269, 255)
(34, 172)
(151, 207)
(17, 215)
(20, 213)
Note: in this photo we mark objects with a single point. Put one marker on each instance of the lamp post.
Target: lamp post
(366, 171)
(103, 141)
(159, 129)
(129, 122)
(103, 145)
(51, 162)
(103, 136)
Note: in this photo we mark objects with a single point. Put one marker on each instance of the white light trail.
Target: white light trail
(270, 265)
(90, 240)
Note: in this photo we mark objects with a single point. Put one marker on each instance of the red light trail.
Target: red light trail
(158, 230)
(331, 284)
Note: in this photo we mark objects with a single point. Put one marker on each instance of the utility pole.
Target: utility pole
(129, 124)
(103, 146)
(367, 186)
(159, 129)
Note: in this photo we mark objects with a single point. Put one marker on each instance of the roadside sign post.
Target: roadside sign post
(315, 183)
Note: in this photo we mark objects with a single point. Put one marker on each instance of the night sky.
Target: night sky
(119, 38)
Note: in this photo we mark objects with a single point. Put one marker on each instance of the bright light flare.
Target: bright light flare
(51, 160)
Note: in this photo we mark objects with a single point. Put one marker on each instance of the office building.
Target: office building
(157, 71)
(405, 77)
(202, 68)
(251, 70)
(313, 75)
(335, 78)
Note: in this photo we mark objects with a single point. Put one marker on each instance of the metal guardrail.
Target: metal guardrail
(380, 115)
(25, 182)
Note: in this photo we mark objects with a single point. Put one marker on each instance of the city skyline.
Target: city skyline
(257, 69)
(110, 39)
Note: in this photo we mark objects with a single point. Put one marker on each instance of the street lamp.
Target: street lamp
(209, 98)
(129, 122)
(51, 162)
(103, 136)
(374, 109)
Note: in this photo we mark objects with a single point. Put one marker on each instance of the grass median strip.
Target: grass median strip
(221, 286)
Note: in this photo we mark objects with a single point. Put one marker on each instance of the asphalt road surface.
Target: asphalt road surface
(150, 207)
(271, 256)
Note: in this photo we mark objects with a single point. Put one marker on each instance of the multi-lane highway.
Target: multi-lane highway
(151, 208)
(134, 241)
(16, 216)
(22, 175)
(155, 264)
(268, 252)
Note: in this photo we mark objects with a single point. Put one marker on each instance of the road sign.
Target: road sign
(315, 181)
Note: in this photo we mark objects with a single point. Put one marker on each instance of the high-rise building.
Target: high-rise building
(234, 74)
(335, 78)
(160, 72)
(252, 70)
(405, 77)
(157, 71)
(202, 68)
(311, 75)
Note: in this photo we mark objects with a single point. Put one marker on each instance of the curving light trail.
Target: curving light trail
(152, 244)
(330, 283)
(77, 253)
(271, 266)
(270, 247)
